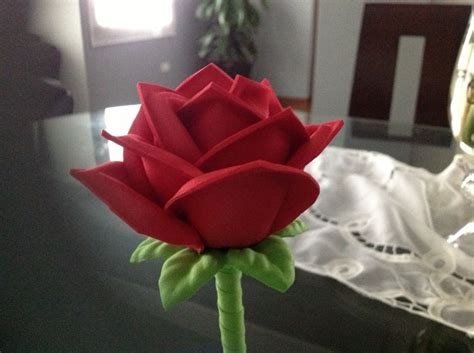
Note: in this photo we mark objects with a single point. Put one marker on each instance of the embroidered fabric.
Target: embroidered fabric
(380, 227)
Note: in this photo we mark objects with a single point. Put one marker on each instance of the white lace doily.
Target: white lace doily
(380, 227)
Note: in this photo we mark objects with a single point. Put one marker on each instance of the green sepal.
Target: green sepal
(185, 272)
(269, 262)
(151, 249)
(293, 229)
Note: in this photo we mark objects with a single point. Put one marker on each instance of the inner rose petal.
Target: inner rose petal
(195, 83)
(168, 131)
(274, 105)
(274, 140)
(213, 115)
(253, 93)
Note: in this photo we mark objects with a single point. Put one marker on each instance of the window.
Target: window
(120, 21)
(117, 122)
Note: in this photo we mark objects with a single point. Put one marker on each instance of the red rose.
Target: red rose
(215, 163)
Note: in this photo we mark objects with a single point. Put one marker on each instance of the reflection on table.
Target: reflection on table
(70, 283)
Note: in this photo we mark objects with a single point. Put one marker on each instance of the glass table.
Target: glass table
(67, 285)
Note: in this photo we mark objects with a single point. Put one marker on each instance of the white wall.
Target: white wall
(285, 48)
(338, 27)
(58, 23)
(107, 76)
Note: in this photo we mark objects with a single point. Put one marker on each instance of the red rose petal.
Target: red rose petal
(321, 137)
(166, 127)
(137, 175)
(310, 129)
(274, 140)
(253, 93)
(198, 81)
(240, 206)
(274, 105)
(133, 163)
(110, 183)
(140, 127)
(152, 88)
(165, 172)
(213, 115)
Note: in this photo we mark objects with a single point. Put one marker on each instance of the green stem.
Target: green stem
(231, 310)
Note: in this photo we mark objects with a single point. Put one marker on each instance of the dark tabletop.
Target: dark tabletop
(66, 283)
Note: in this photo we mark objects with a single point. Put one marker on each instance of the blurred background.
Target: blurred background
(97, 50)
(325, 58)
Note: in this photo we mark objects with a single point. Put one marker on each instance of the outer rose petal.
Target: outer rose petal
(133, 163)
(214, 114)
(110, 183)
(320, 138)
(166, 127)
(274, 140)
(137, 176)
(240, 206)
(196, 82)
(140, 125)
(274, 104)
(310, 129)
(253, 93)
(152, 88)
(164, 171)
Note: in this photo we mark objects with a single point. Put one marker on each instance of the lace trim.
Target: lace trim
(407, 268)
(387, 249)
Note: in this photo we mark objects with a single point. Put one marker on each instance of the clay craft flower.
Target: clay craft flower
(215, 163)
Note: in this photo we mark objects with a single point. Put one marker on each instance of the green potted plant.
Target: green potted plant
(229, 37)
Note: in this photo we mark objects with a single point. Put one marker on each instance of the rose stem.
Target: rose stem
(231, 310)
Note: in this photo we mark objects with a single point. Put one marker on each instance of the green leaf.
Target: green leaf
(269, 262)
(218, 5)
(240, 17)
(295, 228)
(200, 9)
(253, 15)
(150, 249)
(208, 12)
(246, 54)
(203, 53)
(222, 19)
(207, 39)
(185, 272)
(205, 9)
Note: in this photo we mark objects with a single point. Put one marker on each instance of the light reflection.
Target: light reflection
(461, 107)
(137, 15)
(117, 122)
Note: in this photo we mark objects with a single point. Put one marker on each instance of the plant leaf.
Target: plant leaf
(218, 5)
(185, 272)
(253, 15)
(200, 10)
(269, 262)
(150, 249)
(208, 12)
(222, 20)
(207, 39)
(295, 228)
